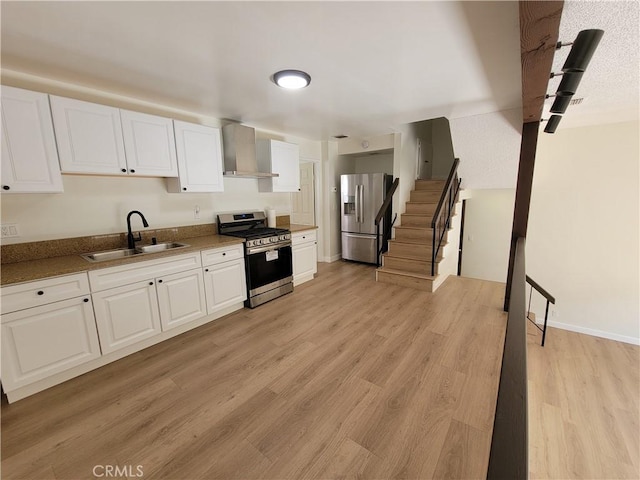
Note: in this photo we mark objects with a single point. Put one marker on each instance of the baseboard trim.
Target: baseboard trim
(592, 331)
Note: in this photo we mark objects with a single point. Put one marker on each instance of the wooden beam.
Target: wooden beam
(539, 25)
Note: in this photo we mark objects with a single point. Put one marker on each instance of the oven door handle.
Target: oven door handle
(268, 248)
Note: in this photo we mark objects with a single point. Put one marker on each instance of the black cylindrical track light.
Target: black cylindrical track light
(582, 50)
(560, 104)
(569, 83)
(552, 123)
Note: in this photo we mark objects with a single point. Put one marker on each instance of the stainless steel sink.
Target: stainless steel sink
(159, 247)
(128, 252)
(109, 255)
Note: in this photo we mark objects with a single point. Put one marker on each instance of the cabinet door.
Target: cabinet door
(305, 262)
(149, 144)
(199, 150)
(126, 315)
(89, 137)
(225, 285)
(285, 160)
(42, 341)
(181, 298)
(29, 155)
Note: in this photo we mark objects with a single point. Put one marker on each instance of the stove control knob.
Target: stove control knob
(258, 242)
(273, 239)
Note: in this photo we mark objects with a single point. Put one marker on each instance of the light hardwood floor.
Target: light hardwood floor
(345, 377)
(584, 407)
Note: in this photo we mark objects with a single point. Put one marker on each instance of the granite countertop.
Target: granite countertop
(63, 265)
(299, 228)
(53, 258)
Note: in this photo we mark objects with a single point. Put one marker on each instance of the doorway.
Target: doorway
(303, 204)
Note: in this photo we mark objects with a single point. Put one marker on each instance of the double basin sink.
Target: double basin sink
(130, 252)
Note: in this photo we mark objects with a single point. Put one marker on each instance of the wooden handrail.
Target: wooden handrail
(509, 456)
(541, 290)
(447, 186)
(387, 200)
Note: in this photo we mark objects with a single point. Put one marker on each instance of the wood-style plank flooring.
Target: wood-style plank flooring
(343, 378)
(584, 407)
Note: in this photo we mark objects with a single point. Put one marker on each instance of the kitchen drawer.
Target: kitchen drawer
(33, 294)
(222, 254)
(303, 237)
(135, 272)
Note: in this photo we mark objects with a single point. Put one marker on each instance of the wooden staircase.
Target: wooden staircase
(408, 260)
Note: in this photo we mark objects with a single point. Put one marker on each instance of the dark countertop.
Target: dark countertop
(63, 265)
(299, 228)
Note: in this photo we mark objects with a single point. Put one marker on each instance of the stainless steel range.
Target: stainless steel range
(267, 255)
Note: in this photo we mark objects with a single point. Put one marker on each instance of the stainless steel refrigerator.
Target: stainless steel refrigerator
(361, 196)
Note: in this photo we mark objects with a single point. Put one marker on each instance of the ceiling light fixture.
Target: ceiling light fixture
(291, 79)
(582, 49)
(552, 123)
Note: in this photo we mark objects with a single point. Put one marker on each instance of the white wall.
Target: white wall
(487, 233)
(379, 163)
(582, 241)
(99, 204)
(488, 147)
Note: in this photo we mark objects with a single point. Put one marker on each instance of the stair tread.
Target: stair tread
(413, 227)
(406, 274)
(402, 257)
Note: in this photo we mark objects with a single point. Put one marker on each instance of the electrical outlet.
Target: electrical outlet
(196, 212)
(10, 230)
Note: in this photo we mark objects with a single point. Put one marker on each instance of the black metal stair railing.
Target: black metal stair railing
(442, 216)
(548, 297)
(380, 249)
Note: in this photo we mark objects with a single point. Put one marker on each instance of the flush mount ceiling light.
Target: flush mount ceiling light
(291, 79)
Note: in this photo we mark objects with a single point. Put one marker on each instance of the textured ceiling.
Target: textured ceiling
(375, 65)
(611, 84)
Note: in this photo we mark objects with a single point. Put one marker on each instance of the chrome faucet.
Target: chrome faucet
(131, 240)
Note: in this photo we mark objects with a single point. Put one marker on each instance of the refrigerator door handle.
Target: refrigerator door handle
(357, 203)
(362, 203)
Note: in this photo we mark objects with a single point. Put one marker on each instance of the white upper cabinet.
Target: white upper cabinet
(282, 158)
(199, 150)
(29, 156)
(103, 140)
(89, 137)
(149, 144)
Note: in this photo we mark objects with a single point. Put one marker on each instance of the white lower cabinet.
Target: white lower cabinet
(305, 256)
(181, 298)
(126, 315)
(224, 280)
(55, 324)
(41, 339)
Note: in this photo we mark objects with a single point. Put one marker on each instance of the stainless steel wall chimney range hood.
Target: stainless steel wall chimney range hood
(239, 142)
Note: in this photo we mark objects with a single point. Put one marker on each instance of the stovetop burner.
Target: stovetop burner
(258, 232)
(252, 227)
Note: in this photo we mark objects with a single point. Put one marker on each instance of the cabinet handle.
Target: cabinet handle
(206, 269)
(224, 253)
(150, 283)
(6, 187)
(184, 188)
(124, 170)
(85, 300)
(132, 171)
(160, 281)
(304, 237)
(40, 292)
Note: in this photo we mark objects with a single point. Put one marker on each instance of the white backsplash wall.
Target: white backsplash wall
(93, 205)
